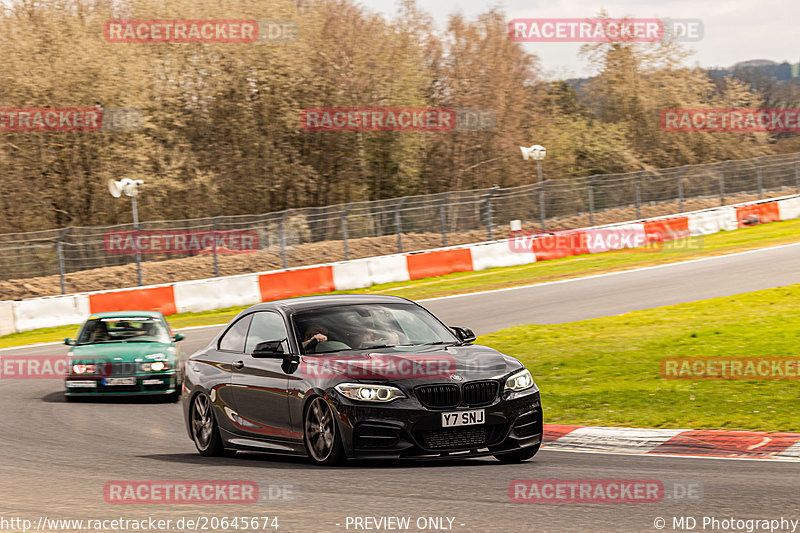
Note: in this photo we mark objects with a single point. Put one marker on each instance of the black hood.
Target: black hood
(422, 365)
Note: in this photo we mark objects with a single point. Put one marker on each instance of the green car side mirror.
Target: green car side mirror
(70, 342)
(178, 337)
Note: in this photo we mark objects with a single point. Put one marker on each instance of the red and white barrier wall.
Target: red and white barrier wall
(219, 293)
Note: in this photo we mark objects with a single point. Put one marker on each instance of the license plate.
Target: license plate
(119, 381)
(81, 384)
(463, 418)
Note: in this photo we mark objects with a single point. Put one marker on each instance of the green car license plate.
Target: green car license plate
(111, 382)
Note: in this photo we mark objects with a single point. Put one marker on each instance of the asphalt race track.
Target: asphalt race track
(57, 457)
(614, 294)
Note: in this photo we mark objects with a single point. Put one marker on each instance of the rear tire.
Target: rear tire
(321, 434)
(205, 432)
(518, 456)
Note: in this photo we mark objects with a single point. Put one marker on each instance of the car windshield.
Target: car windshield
(369, 326)
(124, 329)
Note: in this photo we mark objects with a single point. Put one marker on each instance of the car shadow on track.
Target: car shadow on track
(265, 460)
(58, 397)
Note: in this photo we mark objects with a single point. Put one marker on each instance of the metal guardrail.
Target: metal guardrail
(441, 219)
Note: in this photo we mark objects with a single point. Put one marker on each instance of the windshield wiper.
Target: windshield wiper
(435, 343)
(380, 346)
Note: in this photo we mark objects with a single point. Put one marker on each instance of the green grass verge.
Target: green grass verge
(605, 371)
(463, 282)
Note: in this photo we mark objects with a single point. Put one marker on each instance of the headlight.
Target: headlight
(520, 381)
(78, 369)
(155, 366)
(369, 393)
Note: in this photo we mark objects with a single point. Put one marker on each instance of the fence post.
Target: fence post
(214, 236)
(282, 236)
(60, 254)
(637, 187)
(797, 175)
(489, 221)
(136, 227)
(443, 218)
(591, 200)
(398, 226)
(683, 171)
(722, 168)
(344, 232)
(759, 178)
(542, 215)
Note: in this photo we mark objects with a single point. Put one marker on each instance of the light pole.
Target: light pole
(130, 188)
(537, 153)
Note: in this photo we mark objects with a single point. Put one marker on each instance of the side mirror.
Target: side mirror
(70, 342)
(465, 335)
(178, 337)
(269, 349)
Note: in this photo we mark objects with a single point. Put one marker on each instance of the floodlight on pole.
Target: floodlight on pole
(130, 188)
(537, 153)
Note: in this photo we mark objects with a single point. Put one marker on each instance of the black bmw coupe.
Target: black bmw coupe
(357, 376)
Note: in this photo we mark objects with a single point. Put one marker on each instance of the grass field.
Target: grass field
(463, 282)
(606, 371)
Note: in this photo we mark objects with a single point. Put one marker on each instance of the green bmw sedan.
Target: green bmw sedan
(124, 353)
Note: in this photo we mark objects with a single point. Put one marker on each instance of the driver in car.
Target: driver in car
(315, 333)
(100, 332)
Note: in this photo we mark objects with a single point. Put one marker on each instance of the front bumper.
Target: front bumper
(410, 430)
(151, 383)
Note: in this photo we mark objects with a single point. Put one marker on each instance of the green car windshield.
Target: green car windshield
(126, 329)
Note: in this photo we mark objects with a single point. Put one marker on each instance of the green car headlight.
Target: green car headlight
(155, 366)
(369, 393)
(519, 381)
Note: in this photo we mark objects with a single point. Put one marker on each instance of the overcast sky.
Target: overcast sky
(734, 30)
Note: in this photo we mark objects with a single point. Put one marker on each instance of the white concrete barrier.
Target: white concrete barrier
(498, 254)
(50, 312)
(388, 269)
(713, 221)
(351, 275)
(615, 237)
(217, 293)
(7, 318)
(789, 209)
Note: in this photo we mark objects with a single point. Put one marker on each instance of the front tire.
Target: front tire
(321, 434)
(205, 432)
(518, 456)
